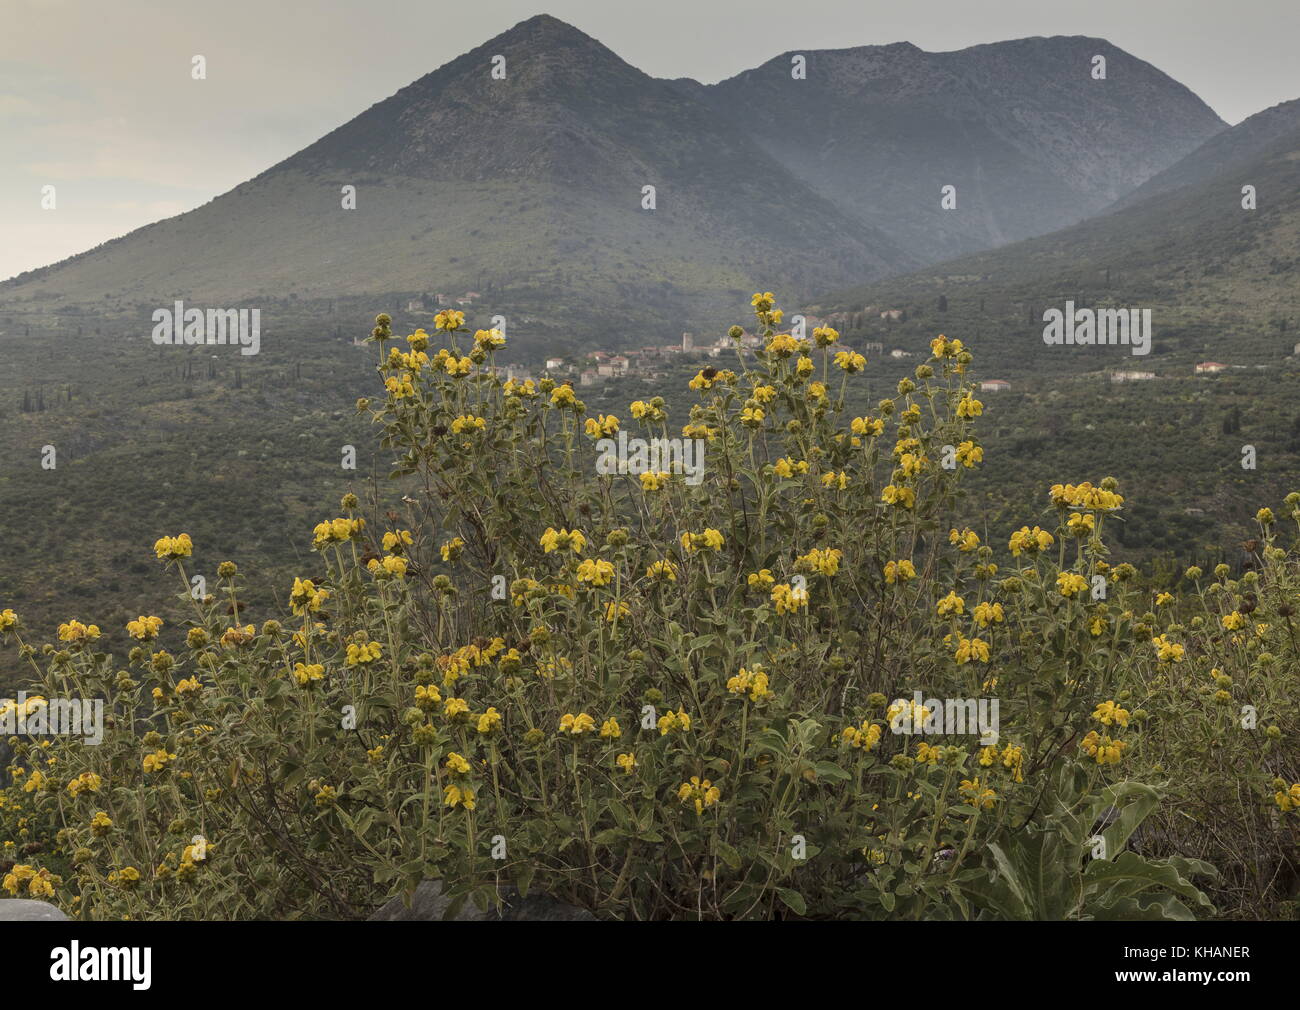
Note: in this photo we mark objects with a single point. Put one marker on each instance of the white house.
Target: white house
(994, 386)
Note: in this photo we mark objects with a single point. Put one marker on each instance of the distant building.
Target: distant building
(1132, 376)
(898, 352)
(1210, 367)
(688, 341)
(893, 315)
(994, 386)
(415, 305)
(874, 345)
(588, 377)
(554, 363)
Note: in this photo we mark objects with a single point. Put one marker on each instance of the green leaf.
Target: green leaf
(793, 900)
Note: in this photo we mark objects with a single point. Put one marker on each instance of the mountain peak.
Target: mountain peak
(543, 31)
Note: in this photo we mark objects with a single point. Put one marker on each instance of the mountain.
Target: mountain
(1029, 139)
(530, 187)
(1233, 150)
(1220, 279)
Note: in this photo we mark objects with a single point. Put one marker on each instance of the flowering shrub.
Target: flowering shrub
(661, 699)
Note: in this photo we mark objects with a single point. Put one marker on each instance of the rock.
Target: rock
(23, 910)
(428, 904)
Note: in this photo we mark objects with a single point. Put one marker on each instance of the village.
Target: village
(652, 362)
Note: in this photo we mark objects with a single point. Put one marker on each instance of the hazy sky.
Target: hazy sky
(97, 100)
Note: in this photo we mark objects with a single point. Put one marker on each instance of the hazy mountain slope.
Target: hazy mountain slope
(1029, 139)
(1219, 279)
(532, 183)
(1232, 150)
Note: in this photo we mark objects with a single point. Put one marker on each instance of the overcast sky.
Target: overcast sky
(96, 97)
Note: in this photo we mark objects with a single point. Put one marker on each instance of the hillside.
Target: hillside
(1218, 278)
(1029, 139)
(530, 186)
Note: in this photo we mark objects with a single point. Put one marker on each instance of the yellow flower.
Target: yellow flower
(865, 738)
(972, 650)
(942, 347)
(986, 614)
(822, 561)
(867, 426)
(305, 598)
(1110, 714)
(1102, 748)
(761, 580)
(627, 762)
(606, 425)
(674, 722)
(455, 796)
(86, 782)
(468, 423)
(490, 340)
(701, 792)
(576, 725)
(455, 764)
(399, 386)
(144, 628)
(899, 571)
(596, 571)
(951, 604)
(787, 600)
(363, 653)
(554, 540)
(663, 571)
(968, 454)
(8, 619)
(337, 531)
(654, 481)
(173, 548)
(710, 539)
(752, 682)
(1029, 540)
(1081, 523)
(968, 406)
(305, 673)
(903, 497)
(1071, 584)
(850, 361)
(449, 319)
(564, 396)
(980, 797)
(782, 345)
(1168, 651)
(455, 709)
(75, 631)
(609, 729)
(158, 760)
(1233, 621)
